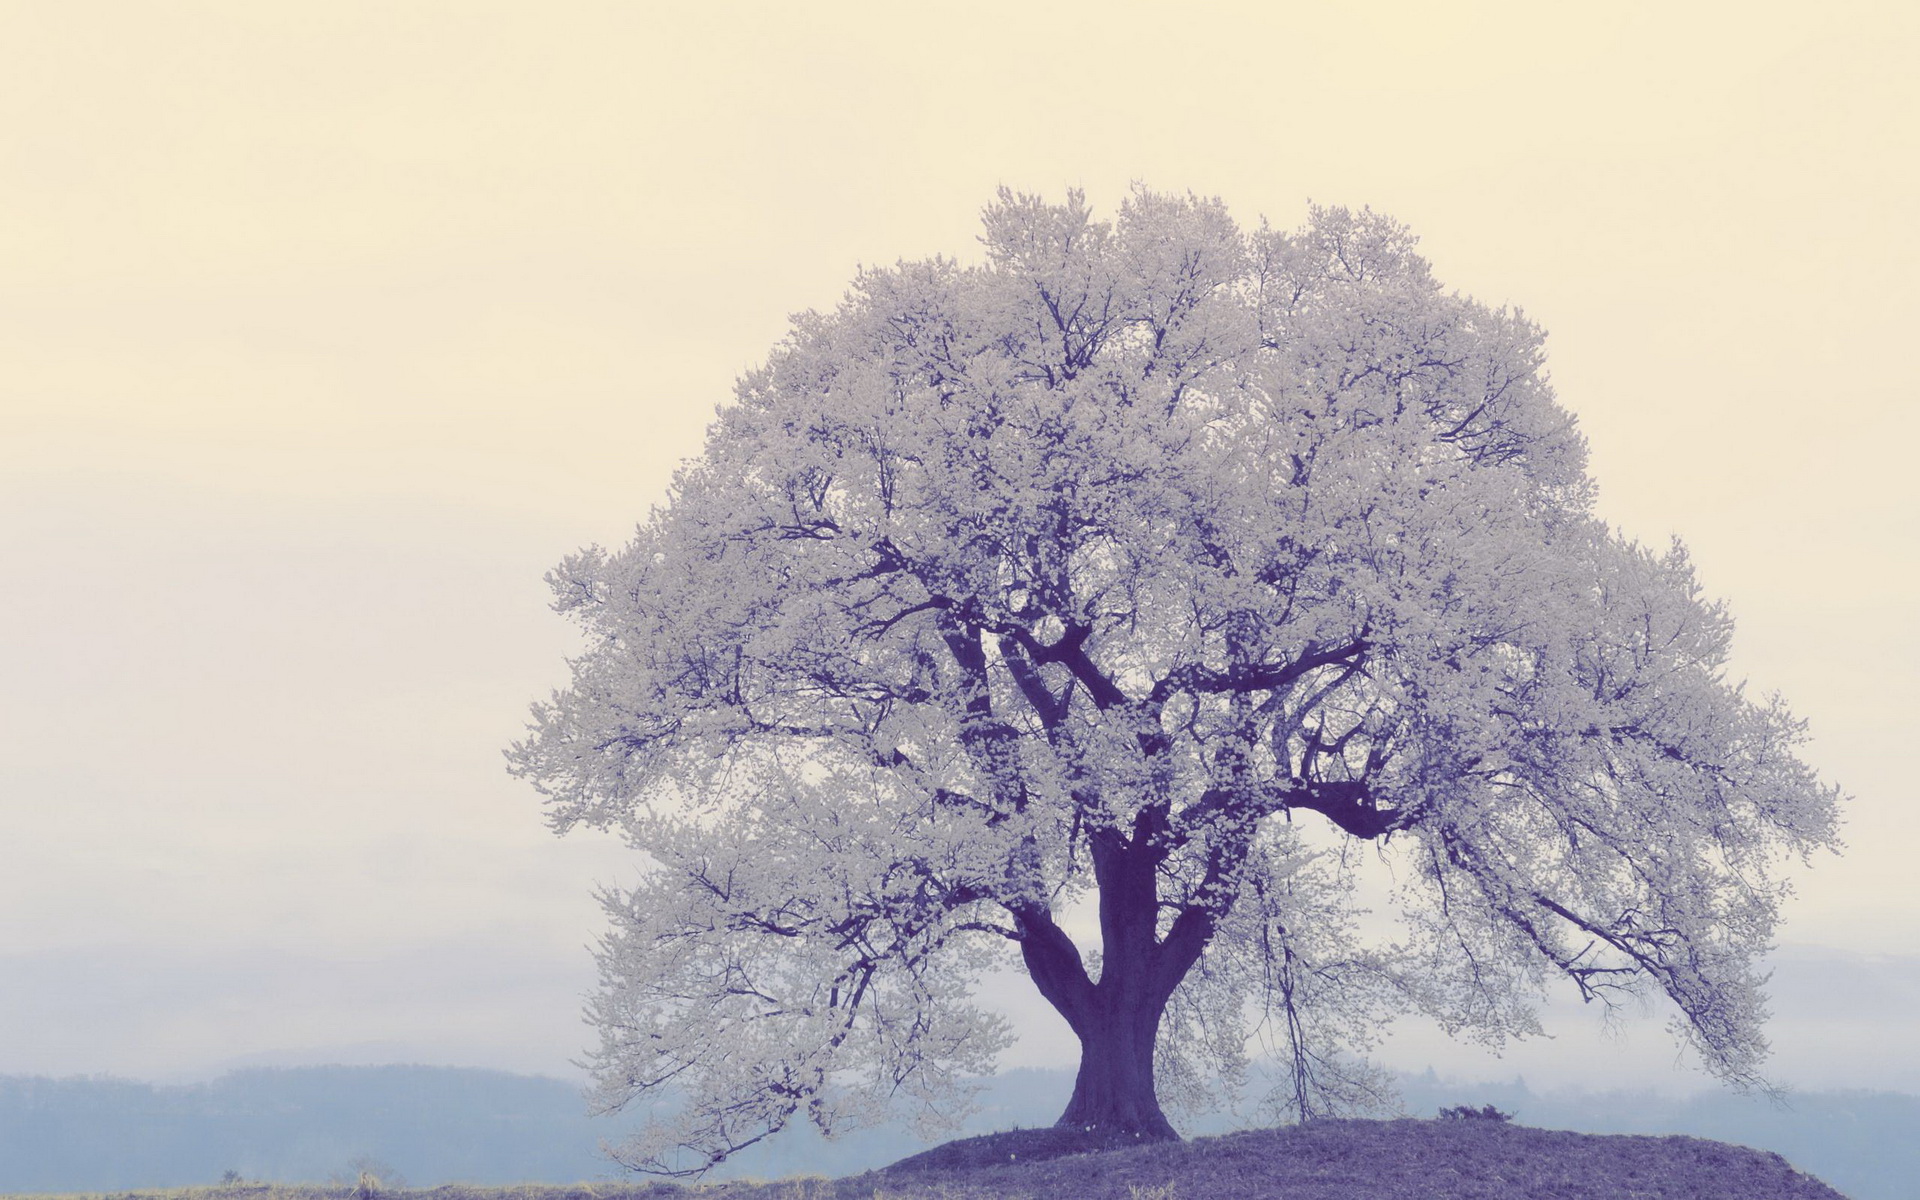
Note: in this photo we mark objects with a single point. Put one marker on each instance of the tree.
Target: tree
(1159, 566)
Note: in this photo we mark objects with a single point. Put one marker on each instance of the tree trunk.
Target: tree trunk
(1113, 1095)
(1118, 1018)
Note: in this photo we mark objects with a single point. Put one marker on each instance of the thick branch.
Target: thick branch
(1200, 919)
(1053, 963)
(1051, 709)
(1255, 677)
(1070, 652)
(1349, 804)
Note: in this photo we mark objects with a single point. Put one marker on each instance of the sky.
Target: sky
(330, 327)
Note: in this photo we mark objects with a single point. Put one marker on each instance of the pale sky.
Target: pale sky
(329, 327)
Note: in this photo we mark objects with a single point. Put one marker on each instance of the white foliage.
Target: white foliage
(1149, 521)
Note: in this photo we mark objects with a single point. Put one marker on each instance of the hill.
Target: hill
(442, 1125)
(1403, 1159)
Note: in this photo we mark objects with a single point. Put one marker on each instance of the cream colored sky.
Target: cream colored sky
(329, 326)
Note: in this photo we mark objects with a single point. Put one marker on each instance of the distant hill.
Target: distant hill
(436, 1125)
(432, 1124)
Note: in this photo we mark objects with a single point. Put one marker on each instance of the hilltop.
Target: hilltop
(435, 1125)
(1403, 1159)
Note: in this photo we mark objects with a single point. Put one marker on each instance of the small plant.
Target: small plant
(1466, 1112)
(368, 1177)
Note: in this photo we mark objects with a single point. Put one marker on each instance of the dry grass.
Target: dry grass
(1332, 1160)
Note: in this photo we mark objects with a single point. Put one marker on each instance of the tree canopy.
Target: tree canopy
(1095, 602)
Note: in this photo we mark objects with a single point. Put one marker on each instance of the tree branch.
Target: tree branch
(1070, 652)
(1052, 710)
(1053, 963)
(1257, 677)
(1349, 804)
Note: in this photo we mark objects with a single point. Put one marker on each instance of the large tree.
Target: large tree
(1114, 590)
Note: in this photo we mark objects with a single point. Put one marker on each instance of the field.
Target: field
(1330, 1160)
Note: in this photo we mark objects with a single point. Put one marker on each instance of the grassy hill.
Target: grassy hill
(1329, 1160)
(436, 1125)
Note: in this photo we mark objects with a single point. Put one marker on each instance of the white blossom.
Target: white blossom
(1148, 562)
